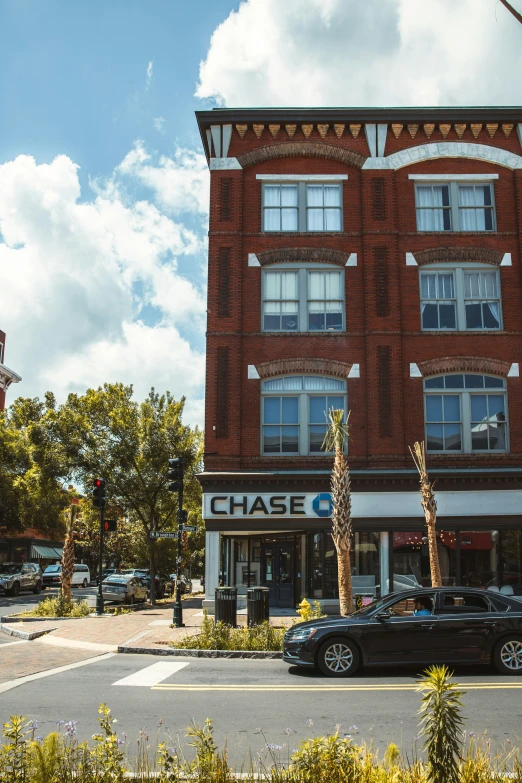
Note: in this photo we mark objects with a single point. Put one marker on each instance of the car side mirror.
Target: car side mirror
(384, 615)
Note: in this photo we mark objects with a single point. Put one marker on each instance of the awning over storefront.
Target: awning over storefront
(47, 552)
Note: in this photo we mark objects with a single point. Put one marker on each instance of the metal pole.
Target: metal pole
(99, 598)
(178, 607)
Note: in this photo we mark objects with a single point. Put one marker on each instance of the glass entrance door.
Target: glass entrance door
(277, 573)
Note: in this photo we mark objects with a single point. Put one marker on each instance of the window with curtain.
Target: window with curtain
(281, 302)
(294, 412)
(302, 206)
(465, 413)
(454, 206)
(305, 299)
(460, 298)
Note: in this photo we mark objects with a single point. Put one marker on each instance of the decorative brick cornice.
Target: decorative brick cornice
(449, 364)
(304, 365)
(436, 255)
(292, 254)
(308, 149)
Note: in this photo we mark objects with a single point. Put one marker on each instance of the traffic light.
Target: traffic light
(110, 525)
(98, 494)
(175, 474)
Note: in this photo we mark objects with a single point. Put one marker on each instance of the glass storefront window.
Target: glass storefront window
(365, 565)
(411, 559)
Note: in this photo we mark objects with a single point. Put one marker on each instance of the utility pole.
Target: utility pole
(175, 479)
(98, 499)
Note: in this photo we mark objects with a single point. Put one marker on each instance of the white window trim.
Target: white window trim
(454, 208)
(453, 177)
(302, 177)
(465, 416)
(459, 270)
(302, 204)
(302, 306)
(303, 422)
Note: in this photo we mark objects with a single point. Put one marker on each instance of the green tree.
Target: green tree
(108, 434)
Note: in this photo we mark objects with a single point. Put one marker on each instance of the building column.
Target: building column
(384, 556)
(212, 546)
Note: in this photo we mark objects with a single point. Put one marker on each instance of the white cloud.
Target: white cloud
(159, 124)
(376, 52)
(77, 275)
(149, 74)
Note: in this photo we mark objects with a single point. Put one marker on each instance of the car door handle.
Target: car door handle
(491, 622)
(429, 626)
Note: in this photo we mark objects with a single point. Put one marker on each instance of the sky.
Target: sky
(103, 182)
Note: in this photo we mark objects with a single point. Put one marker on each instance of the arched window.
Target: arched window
(465, 413)
(294, 412)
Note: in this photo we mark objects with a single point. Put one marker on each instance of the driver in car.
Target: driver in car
(423, 607)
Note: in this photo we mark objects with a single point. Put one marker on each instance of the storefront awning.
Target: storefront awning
(48, 552)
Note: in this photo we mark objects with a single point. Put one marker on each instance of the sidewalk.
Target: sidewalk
(147, 628)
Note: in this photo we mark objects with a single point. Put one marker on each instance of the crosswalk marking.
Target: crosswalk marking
(152, 675)
(325, 688)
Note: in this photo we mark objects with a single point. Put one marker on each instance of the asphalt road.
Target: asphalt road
(244, 697)
(28, 600)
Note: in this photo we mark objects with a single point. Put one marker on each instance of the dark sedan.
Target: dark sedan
(420, 627)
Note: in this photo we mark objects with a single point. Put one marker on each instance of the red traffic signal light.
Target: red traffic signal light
(110, 525)
(98, 494)
(175, 474)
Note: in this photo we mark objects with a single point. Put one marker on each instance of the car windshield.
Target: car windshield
(9, 568)
(52, 569)
(122, 580)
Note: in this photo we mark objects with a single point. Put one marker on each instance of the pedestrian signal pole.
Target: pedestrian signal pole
(175, 484)
(98, 499)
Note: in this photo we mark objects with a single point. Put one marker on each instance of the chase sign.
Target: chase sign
(307, 505)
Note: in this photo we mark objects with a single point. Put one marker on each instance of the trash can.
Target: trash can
(226, 606)
(258, 599)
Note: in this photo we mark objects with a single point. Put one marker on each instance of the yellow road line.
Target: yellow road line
(325, 688)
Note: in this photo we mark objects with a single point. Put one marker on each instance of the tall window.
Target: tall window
(302, 206)
(294, 412)
(460, 298)
(465, 413)
(304, 299)
(455, 207)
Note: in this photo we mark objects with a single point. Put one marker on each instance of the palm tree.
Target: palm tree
(336, 438)
(429, 505)
(68, 553)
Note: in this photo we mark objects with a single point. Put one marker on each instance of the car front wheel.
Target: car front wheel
(508, 655)
(15, 589)
(338, 657)
(37, 588)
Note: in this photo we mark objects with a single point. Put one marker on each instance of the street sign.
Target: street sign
(162, 534)
(189, 528)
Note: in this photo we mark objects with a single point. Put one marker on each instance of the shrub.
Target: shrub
(57, 606)
(218, 636)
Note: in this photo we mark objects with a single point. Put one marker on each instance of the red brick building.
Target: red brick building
(368, 259)
(7, 376)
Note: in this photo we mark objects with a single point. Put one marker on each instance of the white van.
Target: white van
(52, 576)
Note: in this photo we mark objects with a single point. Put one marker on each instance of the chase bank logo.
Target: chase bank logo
(322, 504)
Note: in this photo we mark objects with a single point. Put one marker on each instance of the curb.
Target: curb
(12, 618)
(27, 635)
(180, 653)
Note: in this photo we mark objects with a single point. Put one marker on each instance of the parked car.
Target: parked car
(144, 574)
(105, 573)
(185, 585)
(125, 588)
(448, 625)
(52, 576)
(15, 577)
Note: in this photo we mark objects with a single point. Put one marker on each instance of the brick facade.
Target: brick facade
(7, 376)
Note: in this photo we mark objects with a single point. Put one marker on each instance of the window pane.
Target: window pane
(479, 408)
(316, 322)
(454, 381)
(496, 407)
(334, 321)
(288, 285)
(272, 410)
(318, 410)
(272, 440)
(272, 285)
(428, 286)
(316, 285)
(272, 221)
(274, 385)
(433, 407)
(290, 440)
(493, 383)
(272, 323)
(491, 315)
(317, 434)
(315, 195)
(289, 220)
(272, 194)
(335, 402)
(434, 439)
(332, 219)
(474, 381)
(290, 410)
(489, 287)
(446, 286)
(430, 316)
(474, 316)
(447, 316)
(471, 285)
(434, 383)
(318, 383)
(289, 195)
(332, 196)
(451, 407)
(289, 322)
(294, 383)
(332, 285)
(479, 437)
(452, 439)
(314, 220)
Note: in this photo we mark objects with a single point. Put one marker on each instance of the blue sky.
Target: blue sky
(103, 185)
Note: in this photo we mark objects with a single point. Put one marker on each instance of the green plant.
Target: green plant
(13, 754)
(218, 636)
(58, 606)
(441, 724)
